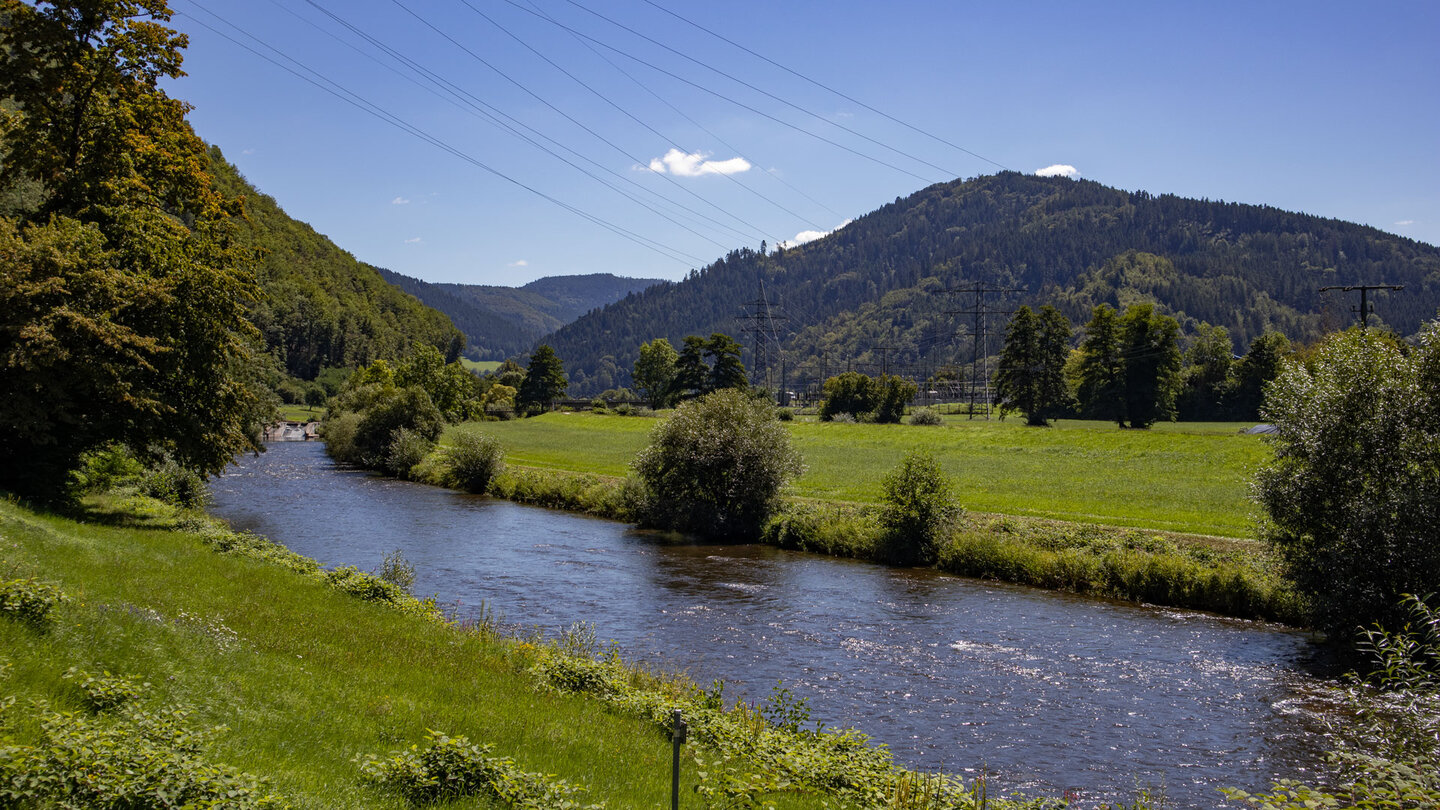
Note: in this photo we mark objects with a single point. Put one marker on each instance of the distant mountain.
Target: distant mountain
(322, 308)
(501, 322)
(886, 291)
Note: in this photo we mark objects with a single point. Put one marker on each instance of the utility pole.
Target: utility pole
(884, 357)
(980, 351)
(1365, 306)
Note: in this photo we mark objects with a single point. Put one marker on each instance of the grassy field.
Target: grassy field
(307, 678)
(300, 413)
(480, 366)
(1187, 478)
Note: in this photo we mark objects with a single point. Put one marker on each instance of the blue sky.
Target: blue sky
(1326, 108)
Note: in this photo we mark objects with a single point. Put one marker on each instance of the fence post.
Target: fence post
(677, 737)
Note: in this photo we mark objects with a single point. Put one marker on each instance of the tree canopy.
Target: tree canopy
(544, 379)
(1031, 374)
(123, 290)
(1352, 498)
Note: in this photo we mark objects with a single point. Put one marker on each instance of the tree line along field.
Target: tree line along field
(1190, 478)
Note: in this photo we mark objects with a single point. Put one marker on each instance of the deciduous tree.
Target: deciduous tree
(655, 372)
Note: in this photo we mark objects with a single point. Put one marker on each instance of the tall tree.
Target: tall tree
(544, 379)
(122, 317)
(1206, 378)
(691, 373)
(1261, 364)
(1031, 376)
(1102, 390)
(1149, 343)
(726, 370)
(655, 371)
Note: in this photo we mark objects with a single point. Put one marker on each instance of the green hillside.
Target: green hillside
(322, 307)
(501, 322)
(873, 294)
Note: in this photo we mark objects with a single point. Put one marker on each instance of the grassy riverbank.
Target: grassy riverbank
(1185, 478)
(577, 462)
(311, 673)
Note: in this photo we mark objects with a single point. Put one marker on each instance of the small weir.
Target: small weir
(1045, 692)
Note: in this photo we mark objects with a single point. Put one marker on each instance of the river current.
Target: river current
(1045, 692)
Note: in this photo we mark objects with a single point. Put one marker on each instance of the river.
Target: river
(1046, 692)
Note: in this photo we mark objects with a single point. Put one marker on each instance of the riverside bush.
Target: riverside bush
(406, 450)
(474, 459)
(918, 511)
(453, 767)
(716, 467)
(178, 486)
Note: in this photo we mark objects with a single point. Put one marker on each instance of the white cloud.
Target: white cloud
(1406, 222)
(810, 236)
(399, 201)
(694, 165)
(413, 241)
(1058, 170)
(247, 151)
(520, 263)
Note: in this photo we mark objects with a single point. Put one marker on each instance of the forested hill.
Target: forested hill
(322, 307)
(871, 295)
(501, 322)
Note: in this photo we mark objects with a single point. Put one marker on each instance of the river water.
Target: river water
(1045, 692)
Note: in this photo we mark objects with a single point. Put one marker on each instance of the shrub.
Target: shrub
(475, 459)
(851, 393)
(106, 692)
(407, 449)
(926, 416)
(28, 600)
(409, 408)
(716, 467)
(453, 767)
(784, 414)
(1353, 494)
(844, 418)
(918, 511)
(106, 468)
(339, 435)
(397, 570)
(176, 485)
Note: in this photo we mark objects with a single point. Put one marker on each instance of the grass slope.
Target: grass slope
(304, 677)
(1188, 478)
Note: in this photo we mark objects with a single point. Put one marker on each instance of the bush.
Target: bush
(1353, 494)
(106, 468)
(339, 435)
(397, 570)
(475, 459)
(175, 485)
(453, 767)
(407, 449)
(29, 600)
(716, 467)
(784, 414)
(409, 408)
(926, 416)
(918, 511)
(880, 399)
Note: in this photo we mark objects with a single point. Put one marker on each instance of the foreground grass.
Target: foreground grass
(308, 679)
(1189, 479)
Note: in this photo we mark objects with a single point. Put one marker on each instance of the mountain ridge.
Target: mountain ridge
(882, 292)
(504, 321)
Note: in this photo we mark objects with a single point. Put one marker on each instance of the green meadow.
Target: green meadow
(1189, 478)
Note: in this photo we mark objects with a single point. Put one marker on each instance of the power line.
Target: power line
(824, 86)
(507, 77)
(627, 113)
(724, 97)
(980, 351)
(479, 108)
(762, 92)
(368, 107)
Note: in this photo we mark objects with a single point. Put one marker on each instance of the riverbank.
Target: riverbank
(313, 675)
(1232, 576)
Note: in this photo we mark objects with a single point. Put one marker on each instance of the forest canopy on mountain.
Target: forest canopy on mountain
(887, 292)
